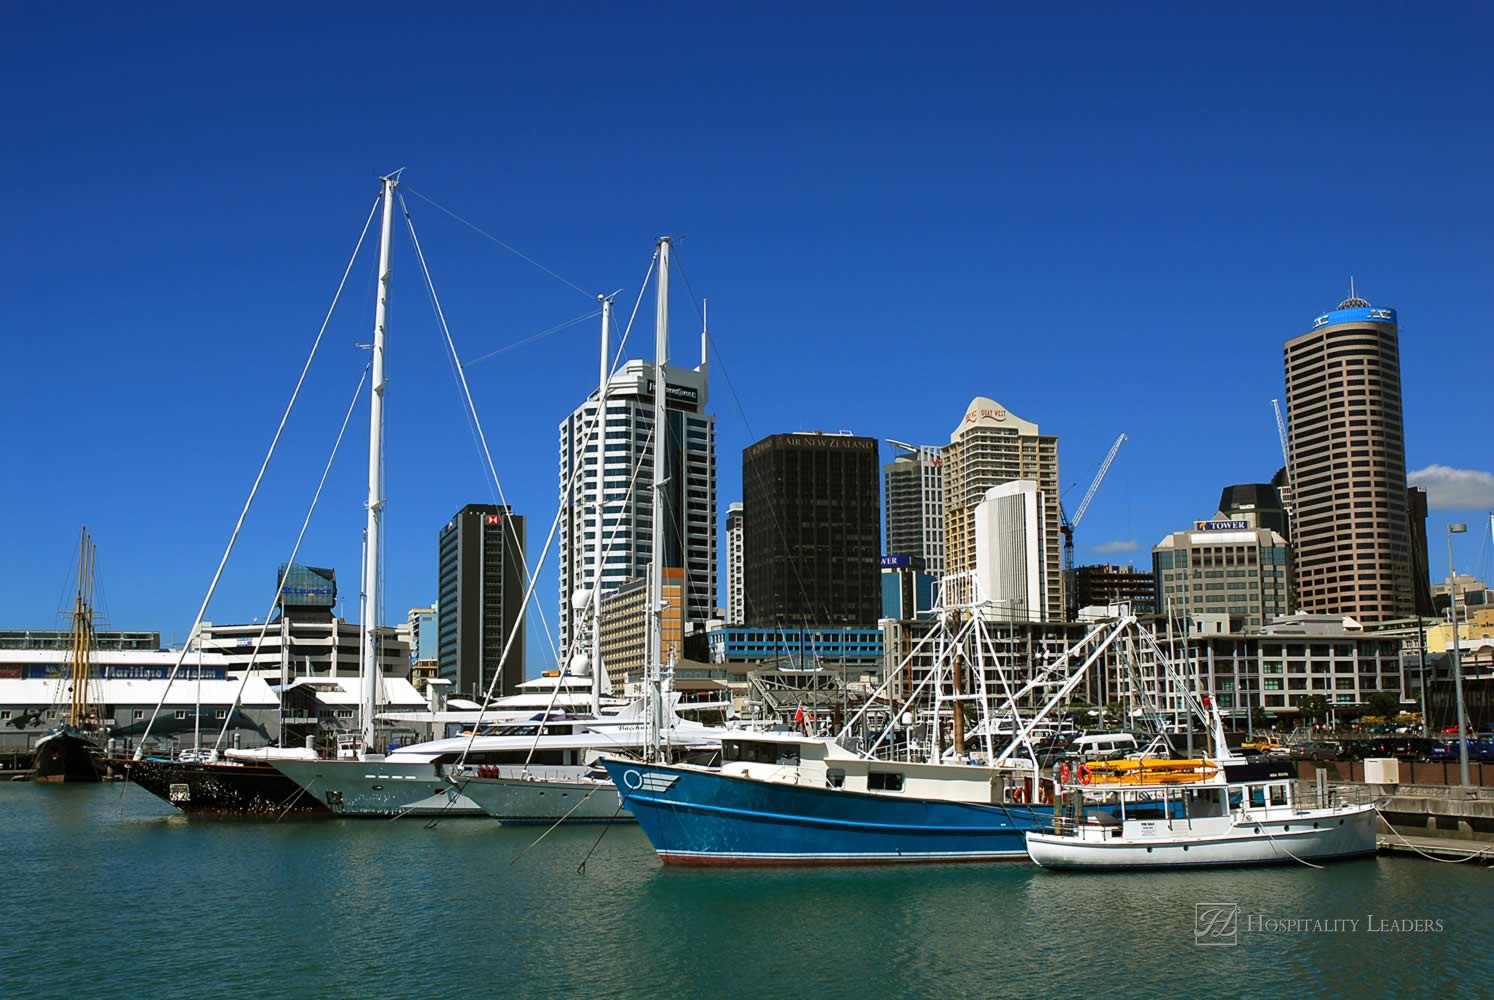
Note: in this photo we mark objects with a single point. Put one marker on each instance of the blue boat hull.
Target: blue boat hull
(698, 816)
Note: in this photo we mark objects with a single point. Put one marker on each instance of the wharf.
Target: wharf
(1439, 848)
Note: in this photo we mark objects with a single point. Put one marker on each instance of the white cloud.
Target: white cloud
(1455, 489)
(1128, 545)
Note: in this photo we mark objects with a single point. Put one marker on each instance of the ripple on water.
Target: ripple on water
(111, 888)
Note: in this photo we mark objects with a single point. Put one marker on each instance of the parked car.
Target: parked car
(1401, 747)
(1480, 751)
(1315, 750)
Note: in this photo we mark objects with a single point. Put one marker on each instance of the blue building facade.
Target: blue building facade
(807, 647)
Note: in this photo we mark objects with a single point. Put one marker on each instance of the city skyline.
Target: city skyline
(1098, 263)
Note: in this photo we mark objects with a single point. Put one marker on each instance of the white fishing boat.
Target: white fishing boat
(1215, 812)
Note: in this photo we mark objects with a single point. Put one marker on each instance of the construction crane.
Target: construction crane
(1288, 495)
(1067, 525)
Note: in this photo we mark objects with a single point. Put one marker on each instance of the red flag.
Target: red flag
(799, 715)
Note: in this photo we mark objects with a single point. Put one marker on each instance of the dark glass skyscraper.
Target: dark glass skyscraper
(812, 523)
(481, 587)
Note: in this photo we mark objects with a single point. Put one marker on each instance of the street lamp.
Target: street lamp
(1452, 588)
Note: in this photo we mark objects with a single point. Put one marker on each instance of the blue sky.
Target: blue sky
(1106, 221)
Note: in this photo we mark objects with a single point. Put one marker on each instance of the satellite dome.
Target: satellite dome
(580, 598)
(1353, 302)
(580, 665)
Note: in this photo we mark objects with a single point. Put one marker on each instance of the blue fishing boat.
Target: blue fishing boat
(785, 798)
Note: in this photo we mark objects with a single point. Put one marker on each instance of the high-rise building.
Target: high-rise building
(625, 629)
(1226, 568)
(1347, 457)
(913, 492)
(992, 446)
(1009, 555)
(1260, 502)
(734, 605)
(481, 596)
(812, 521)
(1104, 585)
(626, 476)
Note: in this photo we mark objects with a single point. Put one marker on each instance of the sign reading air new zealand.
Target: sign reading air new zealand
(677, 393)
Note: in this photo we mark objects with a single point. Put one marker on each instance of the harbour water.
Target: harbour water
(112, 893)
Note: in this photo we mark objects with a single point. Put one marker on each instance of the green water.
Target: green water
(111, 893)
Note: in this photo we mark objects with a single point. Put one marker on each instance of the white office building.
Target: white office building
(623, 486)
(1009, 554)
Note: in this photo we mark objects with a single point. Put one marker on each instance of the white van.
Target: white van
(1102, 746)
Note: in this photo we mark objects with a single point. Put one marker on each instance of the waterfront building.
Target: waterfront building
(307, 593)
(39, 638)
(1107, 584)
(624, 627)
(622, 481)
(800, 647)
(735, 606)
(480, 587)
(991, 447)
(291, 649)
(1347, 461)
(913, 493)
(1273, 669)
(907, 590)
(812, 521)
(1009, 557)
(1226, 572)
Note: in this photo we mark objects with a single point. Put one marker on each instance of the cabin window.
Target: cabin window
(835, 778)
(1257, 797)
(754, 752)
(884, 781)
(4, 715)
(181, 713)
(1278, 795)
(222, 713)
(139, 713)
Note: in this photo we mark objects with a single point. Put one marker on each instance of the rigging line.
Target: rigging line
(254, 490)
(280, 588)
(517, 253)
(549, 332)
(557, 823)
(581, 868)
(513, 536)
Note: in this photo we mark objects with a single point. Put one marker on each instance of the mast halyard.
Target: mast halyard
(599, 438)
(655, 650)
(368, 682)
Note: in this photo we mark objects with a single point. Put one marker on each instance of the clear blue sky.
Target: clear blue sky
(1107, 221)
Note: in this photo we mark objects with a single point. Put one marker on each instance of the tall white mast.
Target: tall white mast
(656, 555)
(370, 610)
(599, 436)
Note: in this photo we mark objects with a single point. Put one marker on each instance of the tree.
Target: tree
(1260, 718)
(1384, 703)
(1315, 707)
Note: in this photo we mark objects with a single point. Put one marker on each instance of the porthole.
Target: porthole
(1148, 850)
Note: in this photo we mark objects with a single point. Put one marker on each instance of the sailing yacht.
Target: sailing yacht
(250, 784)
(70, 752)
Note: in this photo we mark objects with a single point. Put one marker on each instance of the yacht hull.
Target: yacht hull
(379, 788)
(1315, 836)
(695, 816)
(521, 800)
(218, 788)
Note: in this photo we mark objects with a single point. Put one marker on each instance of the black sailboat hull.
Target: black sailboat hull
(224, 789)
(63, 755)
